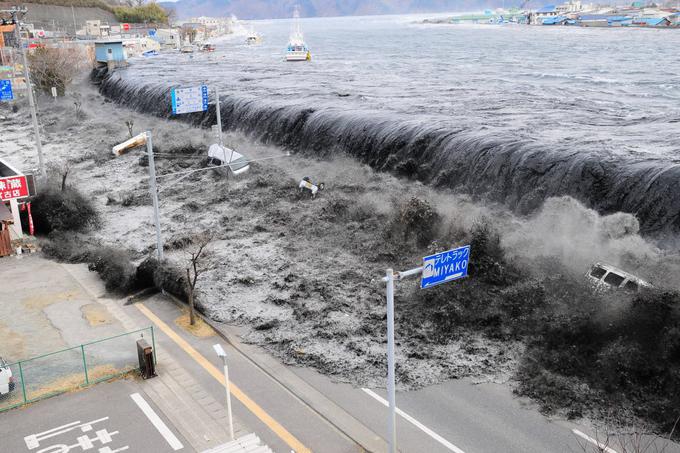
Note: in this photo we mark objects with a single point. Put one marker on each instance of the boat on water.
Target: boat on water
(187, 48)
(253, 37)
(297, 49)
(207, 47)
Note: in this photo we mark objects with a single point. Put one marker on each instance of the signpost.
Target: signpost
(439, 268)
(6, 93)
(195, 99)
(188, 100)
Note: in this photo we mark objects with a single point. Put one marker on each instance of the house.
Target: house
(543, 13)
(110, 53)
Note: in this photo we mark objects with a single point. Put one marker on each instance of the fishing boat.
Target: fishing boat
(297, 49)
(187, 48)
(253, 37)
(207, 47)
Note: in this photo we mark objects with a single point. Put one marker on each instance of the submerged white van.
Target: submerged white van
(605, 276)
(7, 383)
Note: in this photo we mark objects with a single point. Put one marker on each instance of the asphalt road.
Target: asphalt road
(314, 432)
(456, 416)
(106, 418)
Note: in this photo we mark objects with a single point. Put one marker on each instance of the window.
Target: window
(613, 279)
(597, 272)
(630, 286)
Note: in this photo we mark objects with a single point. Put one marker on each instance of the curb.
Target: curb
(330, 412)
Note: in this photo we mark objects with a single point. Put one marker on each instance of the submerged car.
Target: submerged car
(7, 383)
(605, 276)
(220, 156)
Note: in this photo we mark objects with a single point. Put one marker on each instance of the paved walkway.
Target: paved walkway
(198, 416)
(52, 306)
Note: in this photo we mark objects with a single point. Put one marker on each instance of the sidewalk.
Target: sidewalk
(196, 415)
(52, 306)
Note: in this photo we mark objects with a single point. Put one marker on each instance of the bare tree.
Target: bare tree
(193, 272)
(60, 169)
(55, 67)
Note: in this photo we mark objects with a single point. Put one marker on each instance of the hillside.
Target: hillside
(265, 9)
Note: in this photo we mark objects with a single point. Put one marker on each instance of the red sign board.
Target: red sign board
(13, 187)
(126, 27)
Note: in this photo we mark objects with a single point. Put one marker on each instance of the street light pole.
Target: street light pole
(391, 397)
(31, 101)
(223, 355)
(154, 195)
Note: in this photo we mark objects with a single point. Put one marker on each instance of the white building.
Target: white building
(168, 38)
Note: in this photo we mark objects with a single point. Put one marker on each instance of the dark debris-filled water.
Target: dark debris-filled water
(512, 113)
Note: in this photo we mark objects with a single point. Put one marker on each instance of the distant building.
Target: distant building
(572, 6)
(7, 36)
(651, 22)
(168, 38)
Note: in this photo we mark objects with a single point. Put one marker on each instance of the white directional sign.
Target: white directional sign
(445, 266)
(187, 100)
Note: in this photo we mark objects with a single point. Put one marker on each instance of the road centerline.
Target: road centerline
(156, 421)
(415, 422)
(251, 405)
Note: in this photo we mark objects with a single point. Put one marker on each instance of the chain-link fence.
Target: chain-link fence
(62, 371)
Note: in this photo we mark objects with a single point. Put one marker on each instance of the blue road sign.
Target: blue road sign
(6, 90)
(445, 267)
(187, 100)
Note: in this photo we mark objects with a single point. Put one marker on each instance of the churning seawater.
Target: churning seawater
(513, 113)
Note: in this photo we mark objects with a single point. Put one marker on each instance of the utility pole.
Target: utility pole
(31, 102)
(154, 195)
(75, 27)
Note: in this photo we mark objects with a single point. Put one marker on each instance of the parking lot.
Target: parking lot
(107, 418)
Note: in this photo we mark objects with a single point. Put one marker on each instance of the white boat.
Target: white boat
(187, 48)
(297, 49)
(253, 37)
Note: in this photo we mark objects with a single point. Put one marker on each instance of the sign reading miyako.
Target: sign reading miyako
(445, 266)
(13, 187)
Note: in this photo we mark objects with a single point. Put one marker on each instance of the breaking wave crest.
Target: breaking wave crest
(518, 172)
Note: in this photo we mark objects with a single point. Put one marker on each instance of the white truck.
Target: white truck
(605, 276)
(7, 383)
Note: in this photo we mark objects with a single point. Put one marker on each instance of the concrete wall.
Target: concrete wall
(51, 17)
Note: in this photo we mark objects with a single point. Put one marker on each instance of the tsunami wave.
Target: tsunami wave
(518, 172)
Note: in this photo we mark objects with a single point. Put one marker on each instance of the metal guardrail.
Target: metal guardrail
(73, 368)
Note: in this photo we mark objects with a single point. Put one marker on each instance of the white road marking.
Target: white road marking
(156, 421)
(415, 422)
(599, 445)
